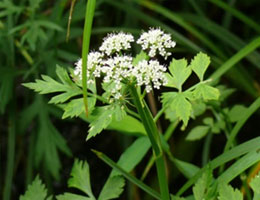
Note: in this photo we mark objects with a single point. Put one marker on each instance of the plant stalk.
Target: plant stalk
(154, 138)
(90, 10)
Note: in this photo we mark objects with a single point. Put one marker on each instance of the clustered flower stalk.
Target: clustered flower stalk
(118, 68)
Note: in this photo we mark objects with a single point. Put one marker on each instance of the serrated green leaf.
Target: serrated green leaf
(63, 75)
(202, 186)
(34, 191)
(45, 86)
(200, 64)
(182, 108)
(70, 196)
(103, 117)
(179, 73)
(76, 107)
(113, 188)
(80, 177)
(49, 85)
(206, 92)
(226, 192)
(235, 112)
(197, 133)
(63, 97)
(255, 184)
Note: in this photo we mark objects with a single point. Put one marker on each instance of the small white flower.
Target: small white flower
(149, 72)
(93, 66)
(156, 40)
(116, 42)
(115, 70)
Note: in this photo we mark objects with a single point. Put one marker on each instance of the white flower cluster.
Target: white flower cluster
(93, 66)
(117, 68)
(147, 72)
(156, 39)
(116, 42)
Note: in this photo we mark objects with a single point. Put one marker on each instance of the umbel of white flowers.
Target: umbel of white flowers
(109, 62)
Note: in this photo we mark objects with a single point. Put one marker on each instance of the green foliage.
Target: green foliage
(199, 65)
(80, 178)
(226, 192)
(103, 117)
(36, 190)
(197, 133)
(113, 188)
(203, 187)
(179, 73)
(183, 105)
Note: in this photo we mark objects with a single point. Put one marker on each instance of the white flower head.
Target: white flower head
(116, 69)
(116, 42)
(94, 65)
(148, 73)
(156, 40)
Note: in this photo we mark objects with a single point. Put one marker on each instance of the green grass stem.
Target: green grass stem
(89, 15)
(154, 138)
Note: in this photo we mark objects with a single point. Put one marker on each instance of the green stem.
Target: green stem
(90, 10)
(154, 138)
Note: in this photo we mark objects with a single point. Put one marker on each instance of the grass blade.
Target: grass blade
(249, 146)
(128, 176)
(90, 10)
(236, 58)
(251, 23)
(239, 166)
(250, 111)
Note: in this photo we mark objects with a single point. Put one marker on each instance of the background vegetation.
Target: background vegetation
(33, 138)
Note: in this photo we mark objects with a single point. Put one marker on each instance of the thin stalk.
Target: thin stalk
(70, 18)
(90, 10)
(154, 138)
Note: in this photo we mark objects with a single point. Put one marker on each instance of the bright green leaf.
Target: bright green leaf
(200, 64)
(182, 108)
(180, 72)
(103, 117)
(34, 191)
(202, 186)
(80, 177)
(197, 133)
(206, 92)
(113, 188)
(76, 107)
(226, 192)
